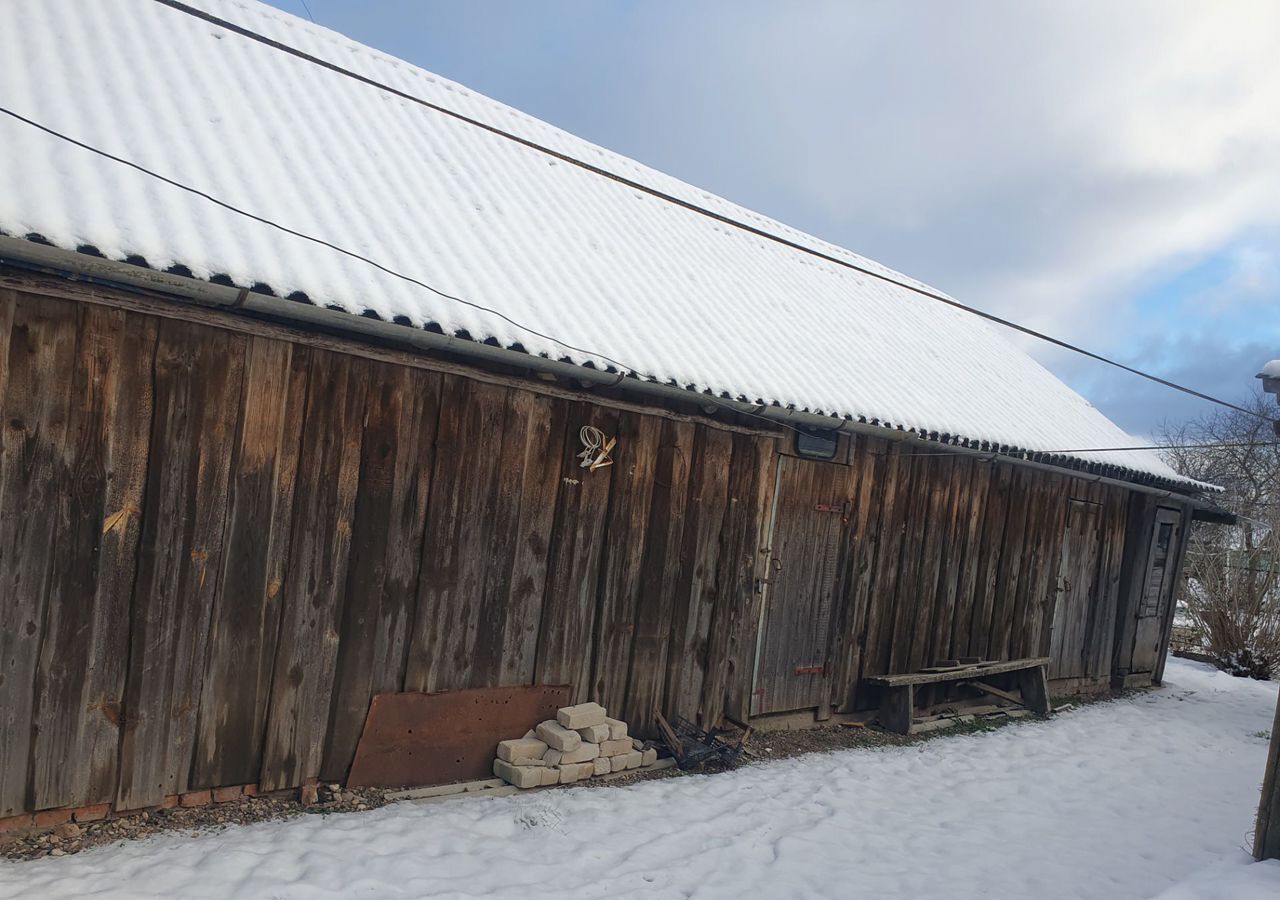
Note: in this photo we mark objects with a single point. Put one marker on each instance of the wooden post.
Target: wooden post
(1266, 836)
(1035, 690)
(897, 708)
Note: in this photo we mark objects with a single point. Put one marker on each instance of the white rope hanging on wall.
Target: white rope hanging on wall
(595, 448)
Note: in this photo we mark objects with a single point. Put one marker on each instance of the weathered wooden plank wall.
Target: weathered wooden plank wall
(217, 546)
(956, 557)
(34, 477)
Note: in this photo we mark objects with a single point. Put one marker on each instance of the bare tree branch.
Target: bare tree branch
(1230, 594)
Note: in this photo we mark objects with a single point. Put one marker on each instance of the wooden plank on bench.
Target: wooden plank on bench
(964, 673)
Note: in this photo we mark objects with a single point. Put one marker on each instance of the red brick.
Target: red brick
(226, 794)
(46, 818)
(195, 798)
(250, 790)
(168, 802)
(310, 792)
(16, 823)
(91, 813)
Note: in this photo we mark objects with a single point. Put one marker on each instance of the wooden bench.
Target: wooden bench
(898, 706)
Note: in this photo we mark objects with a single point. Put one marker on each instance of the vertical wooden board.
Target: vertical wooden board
(971, 561)
(951, 565)
(946, 539)
(1156, 607)
(842, 610)
(245, 618)
(1100, 622)
(81, 672)
(1104, 632)
(1011, 564)
(659, 572)
(908, 604)
(933, 551)
(1016, 615)
(803, 565)
(696, 587)
(735, 620)
(316, 573)
(1043, 520)
(1044, 592)
(8, 303)
(40, 347)
(529, 480)
(1179, 558)
(745, 539)
(994, 523)
(1086, 572)
(411, 489)
(1073, 591)
(386, 545)
(1140, 520)
(883, 591)
(198, 374)
(569, 609)
(457, 555)
(630, 498)
(790, 560)
(861, 575)
(830, 626)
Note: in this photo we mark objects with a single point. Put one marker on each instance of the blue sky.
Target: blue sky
(1109, 173)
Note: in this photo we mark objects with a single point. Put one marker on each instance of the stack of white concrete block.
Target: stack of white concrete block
(579, 743)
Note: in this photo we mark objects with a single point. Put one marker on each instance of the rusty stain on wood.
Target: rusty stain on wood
(415, 739)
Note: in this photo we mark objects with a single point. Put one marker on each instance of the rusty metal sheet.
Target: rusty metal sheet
(414, 739)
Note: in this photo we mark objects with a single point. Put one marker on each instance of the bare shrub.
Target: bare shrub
(1230, 593)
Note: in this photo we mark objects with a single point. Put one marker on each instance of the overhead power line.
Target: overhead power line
(735, 407)
(636, 370)
(686, 204)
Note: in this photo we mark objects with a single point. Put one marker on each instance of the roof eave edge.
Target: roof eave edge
(73, 264)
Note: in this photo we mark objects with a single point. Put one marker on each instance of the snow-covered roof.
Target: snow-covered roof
(675, 295)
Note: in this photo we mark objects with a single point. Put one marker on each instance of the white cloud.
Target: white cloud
(1050, 162)
(1038, 159)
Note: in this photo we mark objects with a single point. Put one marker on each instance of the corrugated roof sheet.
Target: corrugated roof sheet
(674, 295)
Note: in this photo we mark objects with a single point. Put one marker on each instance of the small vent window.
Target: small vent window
(816, 443)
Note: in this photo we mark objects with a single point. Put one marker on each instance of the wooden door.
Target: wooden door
(1077, 592)
(807, 550)
(1157, 589)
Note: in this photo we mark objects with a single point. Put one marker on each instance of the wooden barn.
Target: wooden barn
(323, 377)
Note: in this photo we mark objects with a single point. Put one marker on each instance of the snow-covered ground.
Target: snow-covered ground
(1119, 800)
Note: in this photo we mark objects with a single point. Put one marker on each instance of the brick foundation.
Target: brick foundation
(16, 823)
(195, 798)
(227, 794)
(47, 818)
(91, 813)
(18, 826)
